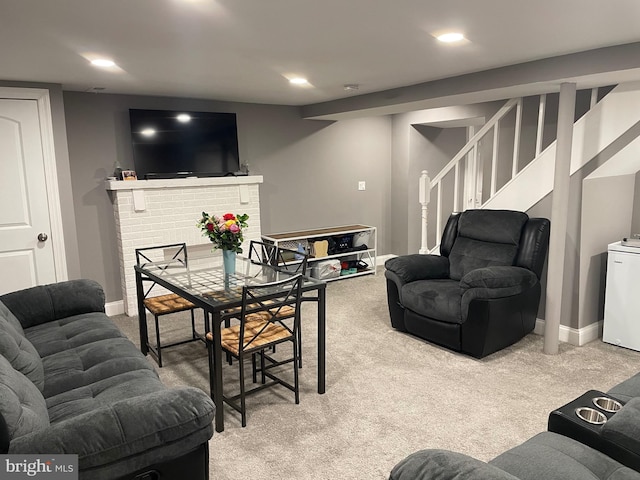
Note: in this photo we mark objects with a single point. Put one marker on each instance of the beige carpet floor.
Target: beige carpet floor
(388, 394)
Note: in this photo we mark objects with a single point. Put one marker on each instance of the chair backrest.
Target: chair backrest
(283, 259)
(270, 300)
(164, 257)
(483, 238)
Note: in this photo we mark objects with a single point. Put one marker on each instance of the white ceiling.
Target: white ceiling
(242, 50)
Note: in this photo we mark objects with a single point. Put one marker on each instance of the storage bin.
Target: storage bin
(362, 238)
(326, 269)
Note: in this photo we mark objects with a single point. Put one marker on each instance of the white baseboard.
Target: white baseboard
(114, 308)
(380, 259)
(574, 336)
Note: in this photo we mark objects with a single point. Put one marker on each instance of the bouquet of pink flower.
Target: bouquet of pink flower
(224, 232)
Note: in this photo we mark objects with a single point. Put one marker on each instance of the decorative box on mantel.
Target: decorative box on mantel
(159, 212)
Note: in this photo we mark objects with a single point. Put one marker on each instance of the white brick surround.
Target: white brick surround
(159, 212)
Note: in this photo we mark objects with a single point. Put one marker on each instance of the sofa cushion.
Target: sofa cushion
(90, 363)
(627, 389)
(21, 403)
(437, 299)
(65, 334)
(444, 464)
(21, 353)
(551, 456)
(102, 393)
(11, 318)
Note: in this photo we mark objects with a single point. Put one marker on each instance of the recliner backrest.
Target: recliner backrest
(485, 238)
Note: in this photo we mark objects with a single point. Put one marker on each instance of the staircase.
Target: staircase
(493, 170)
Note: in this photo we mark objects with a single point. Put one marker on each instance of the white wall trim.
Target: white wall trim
(114, 308)
(41, 96)
(574, 336)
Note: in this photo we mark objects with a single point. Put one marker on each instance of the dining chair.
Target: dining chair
(165, 258)
(261, 327)
(292, 261)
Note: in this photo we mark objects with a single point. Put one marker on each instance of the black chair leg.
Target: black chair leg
(211, 369)
(300, 347)
(243, 407)
(296, 386)
(158, 346)
(254, 367)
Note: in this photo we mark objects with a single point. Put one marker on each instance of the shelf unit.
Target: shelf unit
(308, 237)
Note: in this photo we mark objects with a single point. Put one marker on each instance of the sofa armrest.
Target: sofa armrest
(444, 465)
(409, 268)
(37, 305)
(180, 418)
(623, 428)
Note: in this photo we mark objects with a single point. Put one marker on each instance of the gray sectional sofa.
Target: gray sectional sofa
(610, 451)
(72, 383)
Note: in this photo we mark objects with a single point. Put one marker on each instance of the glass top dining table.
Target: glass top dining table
(210, 288)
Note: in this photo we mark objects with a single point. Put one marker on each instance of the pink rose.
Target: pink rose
(234, 228)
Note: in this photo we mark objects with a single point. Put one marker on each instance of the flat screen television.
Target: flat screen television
(176, 143)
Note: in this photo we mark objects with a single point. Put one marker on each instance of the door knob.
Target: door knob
(42, 237)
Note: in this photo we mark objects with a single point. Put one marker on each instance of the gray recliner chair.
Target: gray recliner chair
(482, 292)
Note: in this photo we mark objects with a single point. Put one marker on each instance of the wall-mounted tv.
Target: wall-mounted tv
(176, 143)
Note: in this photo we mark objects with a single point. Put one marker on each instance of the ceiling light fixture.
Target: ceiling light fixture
(103, 62)
(298, 81)
(184, 118)
(148, 132)
(450, 37)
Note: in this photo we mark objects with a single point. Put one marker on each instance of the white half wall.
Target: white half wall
(159, 212)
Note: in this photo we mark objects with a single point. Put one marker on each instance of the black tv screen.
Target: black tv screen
(173, 144)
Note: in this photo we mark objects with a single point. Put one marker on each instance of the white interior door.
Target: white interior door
(26, 252)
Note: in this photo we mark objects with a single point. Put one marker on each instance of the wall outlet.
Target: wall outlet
(362, 185)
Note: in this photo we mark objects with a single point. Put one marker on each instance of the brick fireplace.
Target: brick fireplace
(159, 212)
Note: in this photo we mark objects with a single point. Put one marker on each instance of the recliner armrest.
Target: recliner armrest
(494, 282)
(443, 465)
(499, 277)
(410, 268)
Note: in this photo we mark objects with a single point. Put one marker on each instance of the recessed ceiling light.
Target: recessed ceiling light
(450, 37)
(103, 62)
(298, 81)
(148, 132)
(184, 118)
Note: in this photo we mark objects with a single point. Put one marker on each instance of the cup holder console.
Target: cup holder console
(584, 420)
(591, 415)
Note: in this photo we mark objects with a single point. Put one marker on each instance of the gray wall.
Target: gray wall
(311, 169)
(603, 222)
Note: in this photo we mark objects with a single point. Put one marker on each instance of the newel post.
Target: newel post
(424, 194)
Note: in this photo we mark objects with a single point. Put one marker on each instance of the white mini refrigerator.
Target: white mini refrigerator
(622, 297)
